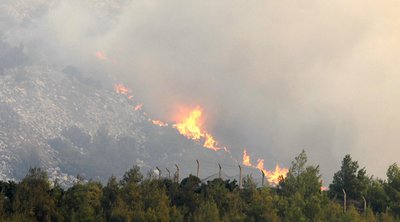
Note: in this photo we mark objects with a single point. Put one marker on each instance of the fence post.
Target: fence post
(240, 177)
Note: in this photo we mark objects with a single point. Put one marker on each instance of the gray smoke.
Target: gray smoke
(272, 76)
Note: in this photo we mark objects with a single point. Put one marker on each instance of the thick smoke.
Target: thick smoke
(272, 76)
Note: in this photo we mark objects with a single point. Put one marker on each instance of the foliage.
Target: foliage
(298, 197)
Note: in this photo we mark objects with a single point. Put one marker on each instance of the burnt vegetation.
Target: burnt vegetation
(135, 197)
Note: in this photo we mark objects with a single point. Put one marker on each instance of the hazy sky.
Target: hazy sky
(272, 76)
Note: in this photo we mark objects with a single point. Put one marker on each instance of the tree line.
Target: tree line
(136, 197)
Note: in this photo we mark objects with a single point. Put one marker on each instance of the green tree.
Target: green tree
(32, 198)
(207, 212)
(188, 197)
(393, 189)
(155, 200)
(110, 198)
(302, 190)
(260, 205)
(132, 176)
(353, 180)
(376, 196)
(83, 202)
(226, 197)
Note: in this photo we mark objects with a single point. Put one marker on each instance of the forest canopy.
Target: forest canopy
(352, 196)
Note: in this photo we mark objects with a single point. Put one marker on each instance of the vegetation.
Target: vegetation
(298, 197)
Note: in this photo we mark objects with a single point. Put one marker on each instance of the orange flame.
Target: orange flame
(138, 107)
(159, 123)
(121, 89)
(246, 158)
(273, 177)
(191, 128)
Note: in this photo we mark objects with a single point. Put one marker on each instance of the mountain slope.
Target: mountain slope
(70, 124)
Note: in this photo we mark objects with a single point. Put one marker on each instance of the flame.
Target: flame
(138, 107)
(159, 123)
(121, 89)
(273, 177)
(191, 128)
(323, 188)
(210, 142)
(101, 55)
(246, 158)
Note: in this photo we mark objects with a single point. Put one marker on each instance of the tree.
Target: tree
(132, 176)
(226, 198)
(83, 202)
(207, 212)
(188, 195)
(32, 197)
(349, 178)
(376, 196)
(155, 200)
(302, 190)
(393, 189)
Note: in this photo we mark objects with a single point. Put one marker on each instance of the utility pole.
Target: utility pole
(240, 177)
(198, 168)
(159, 173)
(365, 207)
(177, 173)
(219, 172)
(169, 173)
(344, 200)
(263, 178)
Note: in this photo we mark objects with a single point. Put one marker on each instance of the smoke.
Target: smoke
(272, 76)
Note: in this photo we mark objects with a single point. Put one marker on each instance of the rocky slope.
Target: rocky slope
(69, 124)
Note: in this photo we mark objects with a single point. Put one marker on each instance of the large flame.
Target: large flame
(191, 128)
(273, 177)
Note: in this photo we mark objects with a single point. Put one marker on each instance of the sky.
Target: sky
(274, 77)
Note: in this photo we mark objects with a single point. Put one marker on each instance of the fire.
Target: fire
(191, 128)
(210, 142)
(323, 188)
(138, 107)
(159, 123)
(121, 89)
(272, 176)
(246, 159)
(101, 55)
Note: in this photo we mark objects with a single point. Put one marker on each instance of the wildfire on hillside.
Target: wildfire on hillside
(121, 89)
(191, 126)
(273, 177)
